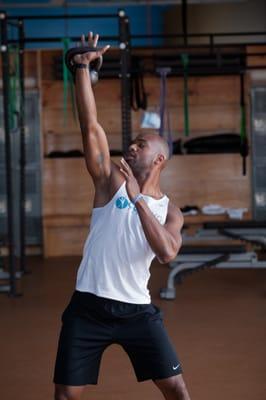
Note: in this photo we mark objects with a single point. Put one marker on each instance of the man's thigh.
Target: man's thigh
(83, 338)
(149, 347)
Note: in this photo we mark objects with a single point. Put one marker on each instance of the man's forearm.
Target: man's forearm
(85, 100)
(163, 244)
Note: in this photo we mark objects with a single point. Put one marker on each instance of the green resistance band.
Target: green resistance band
(67, 81)
(185, 62)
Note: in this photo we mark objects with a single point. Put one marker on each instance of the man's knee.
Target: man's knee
(173, 388)
(63, 392)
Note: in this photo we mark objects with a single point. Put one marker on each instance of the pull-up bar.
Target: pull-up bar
(66, 16)
(58, 39)
(201, 35)
(15, 24)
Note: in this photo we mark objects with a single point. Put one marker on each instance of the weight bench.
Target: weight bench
(253, 232)
(198, 257)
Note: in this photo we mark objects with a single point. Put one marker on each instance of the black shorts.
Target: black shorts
(92, 323)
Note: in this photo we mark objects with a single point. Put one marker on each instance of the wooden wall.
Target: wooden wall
(67, 187)
(209, 112)
(31, 67)
(189, 179)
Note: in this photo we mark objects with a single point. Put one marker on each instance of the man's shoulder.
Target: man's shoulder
(175, 212)
(173, 208)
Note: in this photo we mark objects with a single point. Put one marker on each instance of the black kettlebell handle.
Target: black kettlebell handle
(94, 66)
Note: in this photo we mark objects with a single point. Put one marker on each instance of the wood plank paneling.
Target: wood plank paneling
(30, 68)
(190, 179)
(193, 179)
(208, 113)
(67, 240)
(68, 187)
(204, 179)
(257, 60)
(211, 90)
(47, 61)
(107, 91)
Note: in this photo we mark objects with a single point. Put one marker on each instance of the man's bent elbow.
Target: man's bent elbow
(167, 257)
(170, 255)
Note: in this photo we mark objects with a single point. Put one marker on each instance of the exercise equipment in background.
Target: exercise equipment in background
(216, 143)
(138, 93)
(67, 83)
(214, 245)
(94, 67)
(243, 131)
(14, 225)
(165, 129)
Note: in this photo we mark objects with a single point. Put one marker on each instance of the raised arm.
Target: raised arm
(94, 139)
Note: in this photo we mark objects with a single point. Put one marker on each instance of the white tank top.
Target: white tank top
(116, 255)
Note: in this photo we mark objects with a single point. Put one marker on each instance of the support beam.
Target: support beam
(22, 148)
(124, 45)
(184, 21)
(9, 178)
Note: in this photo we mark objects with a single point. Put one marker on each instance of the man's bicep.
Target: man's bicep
(174, 224)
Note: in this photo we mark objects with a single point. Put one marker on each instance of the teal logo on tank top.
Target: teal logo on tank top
(122, 203)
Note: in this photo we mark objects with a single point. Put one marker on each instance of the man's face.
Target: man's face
(141, 153)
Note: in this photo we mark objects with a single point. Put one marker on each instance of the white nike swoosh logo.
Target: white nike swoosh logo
(174, 368)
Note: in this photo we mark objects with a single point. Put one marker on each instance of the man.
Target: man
(132, 222)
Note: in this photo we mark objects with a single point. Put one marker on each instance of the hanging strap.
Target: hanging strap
(169, 132)
(243, 130)
(163, 110)
(162, 99)
(138, 94)
(185, 63)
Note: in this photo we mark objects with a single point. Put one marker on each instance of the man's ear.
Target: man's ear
(160, 158)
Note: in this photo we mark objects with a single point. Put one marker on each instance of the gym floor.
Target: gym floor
(217, 324)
